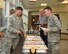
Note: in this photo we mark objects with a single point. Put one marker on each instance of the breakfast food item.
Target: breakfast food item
(36, 39)
(35, 47)
(41, 47)
(34, 43)
(33, 38)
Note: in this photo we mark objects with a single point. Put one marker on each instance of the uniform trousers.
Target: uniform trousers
(53, 48)
(7, 43)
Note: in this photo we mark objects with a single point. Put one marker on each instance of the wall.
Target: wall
(25, 17)
(1, 11)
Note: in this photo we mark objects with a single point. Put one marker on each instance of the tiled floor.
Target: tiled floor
(63, 46)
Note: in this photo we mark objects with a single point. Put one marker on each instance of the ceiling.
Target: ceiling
(34, 5)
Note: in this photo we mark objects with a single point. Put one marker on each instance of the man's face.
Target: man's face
(18, 13)
(41, 12)
(47, 12)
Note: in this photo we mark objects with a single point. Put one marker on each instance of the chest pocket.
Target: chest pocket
(51, 22)
(14, 22)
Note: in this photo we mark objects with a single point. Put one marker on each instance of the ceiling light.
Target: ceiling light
(43, 4)
(32, 0)
(0, 4)
(65, 2)
(60, 0)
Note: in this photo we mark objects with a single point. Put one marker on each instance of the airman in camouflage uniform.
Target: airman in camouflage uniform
(13, 30)
(54, 26)
(0, 41)
(2, 30)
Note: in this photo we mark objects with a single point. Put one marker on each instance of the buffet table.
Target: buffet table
(34, 45)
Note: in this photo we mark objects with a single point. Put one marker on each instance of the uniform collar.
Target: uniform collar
(17, 16)
(50, 15)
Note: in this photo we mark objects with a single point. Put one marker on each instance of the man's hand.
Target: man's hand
(18, 32)
(2, 34)
(42, 24)
(25, 35)
(46, 30)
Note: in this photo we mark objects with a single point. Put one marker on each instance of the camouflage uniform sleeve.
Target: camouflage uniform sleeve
(3, 29)
(56, 26)
(10, 25)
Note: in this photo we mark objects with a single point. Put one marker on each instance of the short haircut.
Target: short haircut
(19, 8)
(12, 11)
(49, 8)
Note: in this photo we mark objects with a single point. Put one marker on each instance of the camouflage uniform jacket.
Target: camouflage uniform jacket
(13, 24)
(54, 25)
